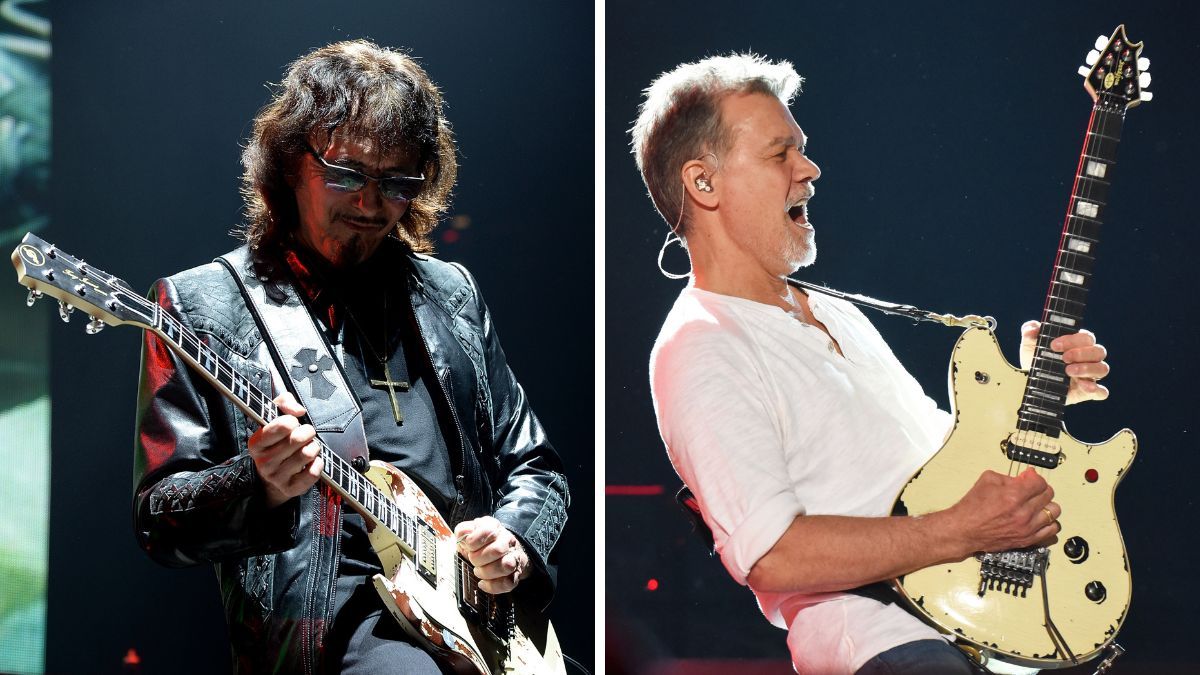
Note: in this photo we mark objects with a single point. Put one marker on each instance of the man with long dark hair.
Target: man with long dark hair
(346, 173)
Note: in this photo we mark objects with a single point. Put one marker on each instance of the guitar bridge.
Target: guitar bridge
(1011, 572)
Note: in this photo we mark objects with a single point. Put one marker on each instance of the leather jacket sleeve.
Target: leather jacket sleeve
(198, 497)
(531, 488)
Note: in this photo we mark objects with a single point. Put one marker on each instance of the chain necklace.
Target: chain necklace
(387, 381)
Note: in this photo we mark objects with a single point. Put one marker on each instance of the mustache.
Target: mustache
(360, 220)
(807, 194)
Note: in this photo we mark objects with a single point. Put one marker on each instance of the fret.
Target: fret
(241, 386)
(171, 328)
(1092, 189)
(1069, 292)
(1039, 411)
(1088, 228)
(1042, 394)
(1079, 264)
(1103, 146)
(1043, 375)
(1066, 307)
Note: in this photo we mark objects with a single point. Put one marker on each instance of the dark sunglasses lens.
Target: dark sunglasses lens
(405, 189)
(343, 181)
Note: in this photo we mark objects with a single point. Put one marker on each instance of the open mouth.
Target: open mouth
(798, 213)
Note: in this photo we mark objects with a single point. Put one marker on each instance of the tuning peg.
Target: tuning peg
(64, 311)
(94, 326)
(1092, 57)
(1143, 63)
(1084, 70)
(33, 297)
(1146, 95)
(1101, 42)
(1144, 80)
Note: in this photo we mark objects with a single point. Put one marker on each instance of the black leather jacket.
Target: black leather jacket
(198, 498)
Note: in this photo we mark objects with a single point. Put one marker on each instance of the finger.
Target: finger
(288, 404)
(491, 553)
(1086, 354)
(498, 586)
(278, 429)
(506, 565)
(1029, 331)
(462, 530)
(1083, 338)
(485, 531)
(1089, 371)
(1087, 390)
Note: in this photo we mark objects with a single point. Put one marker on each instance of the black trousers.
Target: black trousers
(365, 639)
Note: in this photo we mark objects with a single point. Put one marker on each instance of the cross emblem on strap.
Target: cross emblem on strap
(391, 385)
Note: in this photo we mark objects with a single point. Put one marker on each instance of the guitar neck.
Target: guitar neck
(362, 494)
(1045, 395)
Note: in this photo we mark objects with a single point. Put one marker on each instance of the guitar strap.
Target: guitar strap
(301, 351)
(968, 321)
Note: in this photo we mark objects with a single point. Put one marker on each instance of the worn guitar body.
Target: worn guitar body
(1007, 621)
(431, 613)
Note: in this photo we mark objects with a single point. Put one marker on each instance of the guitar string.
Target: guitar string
(1068, 257)
(391, 515)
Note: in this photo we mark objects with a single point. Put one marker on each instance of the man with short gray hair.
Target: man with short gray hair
(784, 410)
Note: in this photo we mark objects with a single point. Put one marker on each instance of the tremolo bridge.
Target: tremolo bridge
(1011, 572)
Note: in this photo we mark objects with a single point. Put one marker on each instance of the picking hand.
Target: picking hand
(1000, 513)
(499, 558)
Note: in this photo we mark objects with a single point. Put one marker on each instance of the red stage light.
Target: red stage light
(633, 490)
(652, 585)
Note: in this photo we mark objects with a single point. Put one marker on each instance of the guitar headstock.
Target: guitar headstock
(45, 270)
(1116, 70)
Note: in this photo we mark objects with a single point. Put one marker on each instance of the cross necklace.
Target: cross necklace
(387, 381)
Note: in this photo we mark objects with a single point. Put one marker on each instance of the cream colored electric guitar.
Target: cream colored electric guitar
(1062, 604)
(428, 587)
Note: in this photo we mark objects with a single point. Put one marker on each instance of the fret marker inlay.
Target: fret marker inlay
(1079, 245)
(1071, 277)
(1086, 209)
(1095, 168)
(1064, 320)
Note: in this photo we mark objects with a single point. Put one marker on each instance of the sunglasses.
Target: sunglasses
(345, 179)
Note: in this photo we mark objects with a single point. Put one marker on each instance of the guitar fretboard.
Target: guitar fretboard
(1046, 392)
(353, 485)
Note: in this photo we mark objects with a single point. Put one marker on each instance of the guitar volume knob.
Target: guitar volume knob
(1095, 592)
(1076, 549)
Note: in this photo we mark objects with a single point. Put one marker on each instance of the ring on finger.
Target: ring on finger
(1049, 516)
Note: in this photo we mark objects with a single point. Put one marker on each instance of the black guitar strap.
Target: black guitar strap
(300, 351)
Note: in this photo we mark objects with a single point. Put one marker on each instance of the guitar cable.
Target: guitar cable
(577, 664)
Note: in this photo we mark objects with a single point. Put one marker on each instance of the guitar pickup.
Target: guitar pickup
(1019, 453)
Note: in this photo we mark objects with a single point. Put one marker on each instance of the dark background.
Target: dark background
(947, 134)
(151, 101)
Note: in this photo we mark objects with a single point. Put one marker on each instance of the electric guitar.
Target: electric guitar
(1057, 605)
(428, 587)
